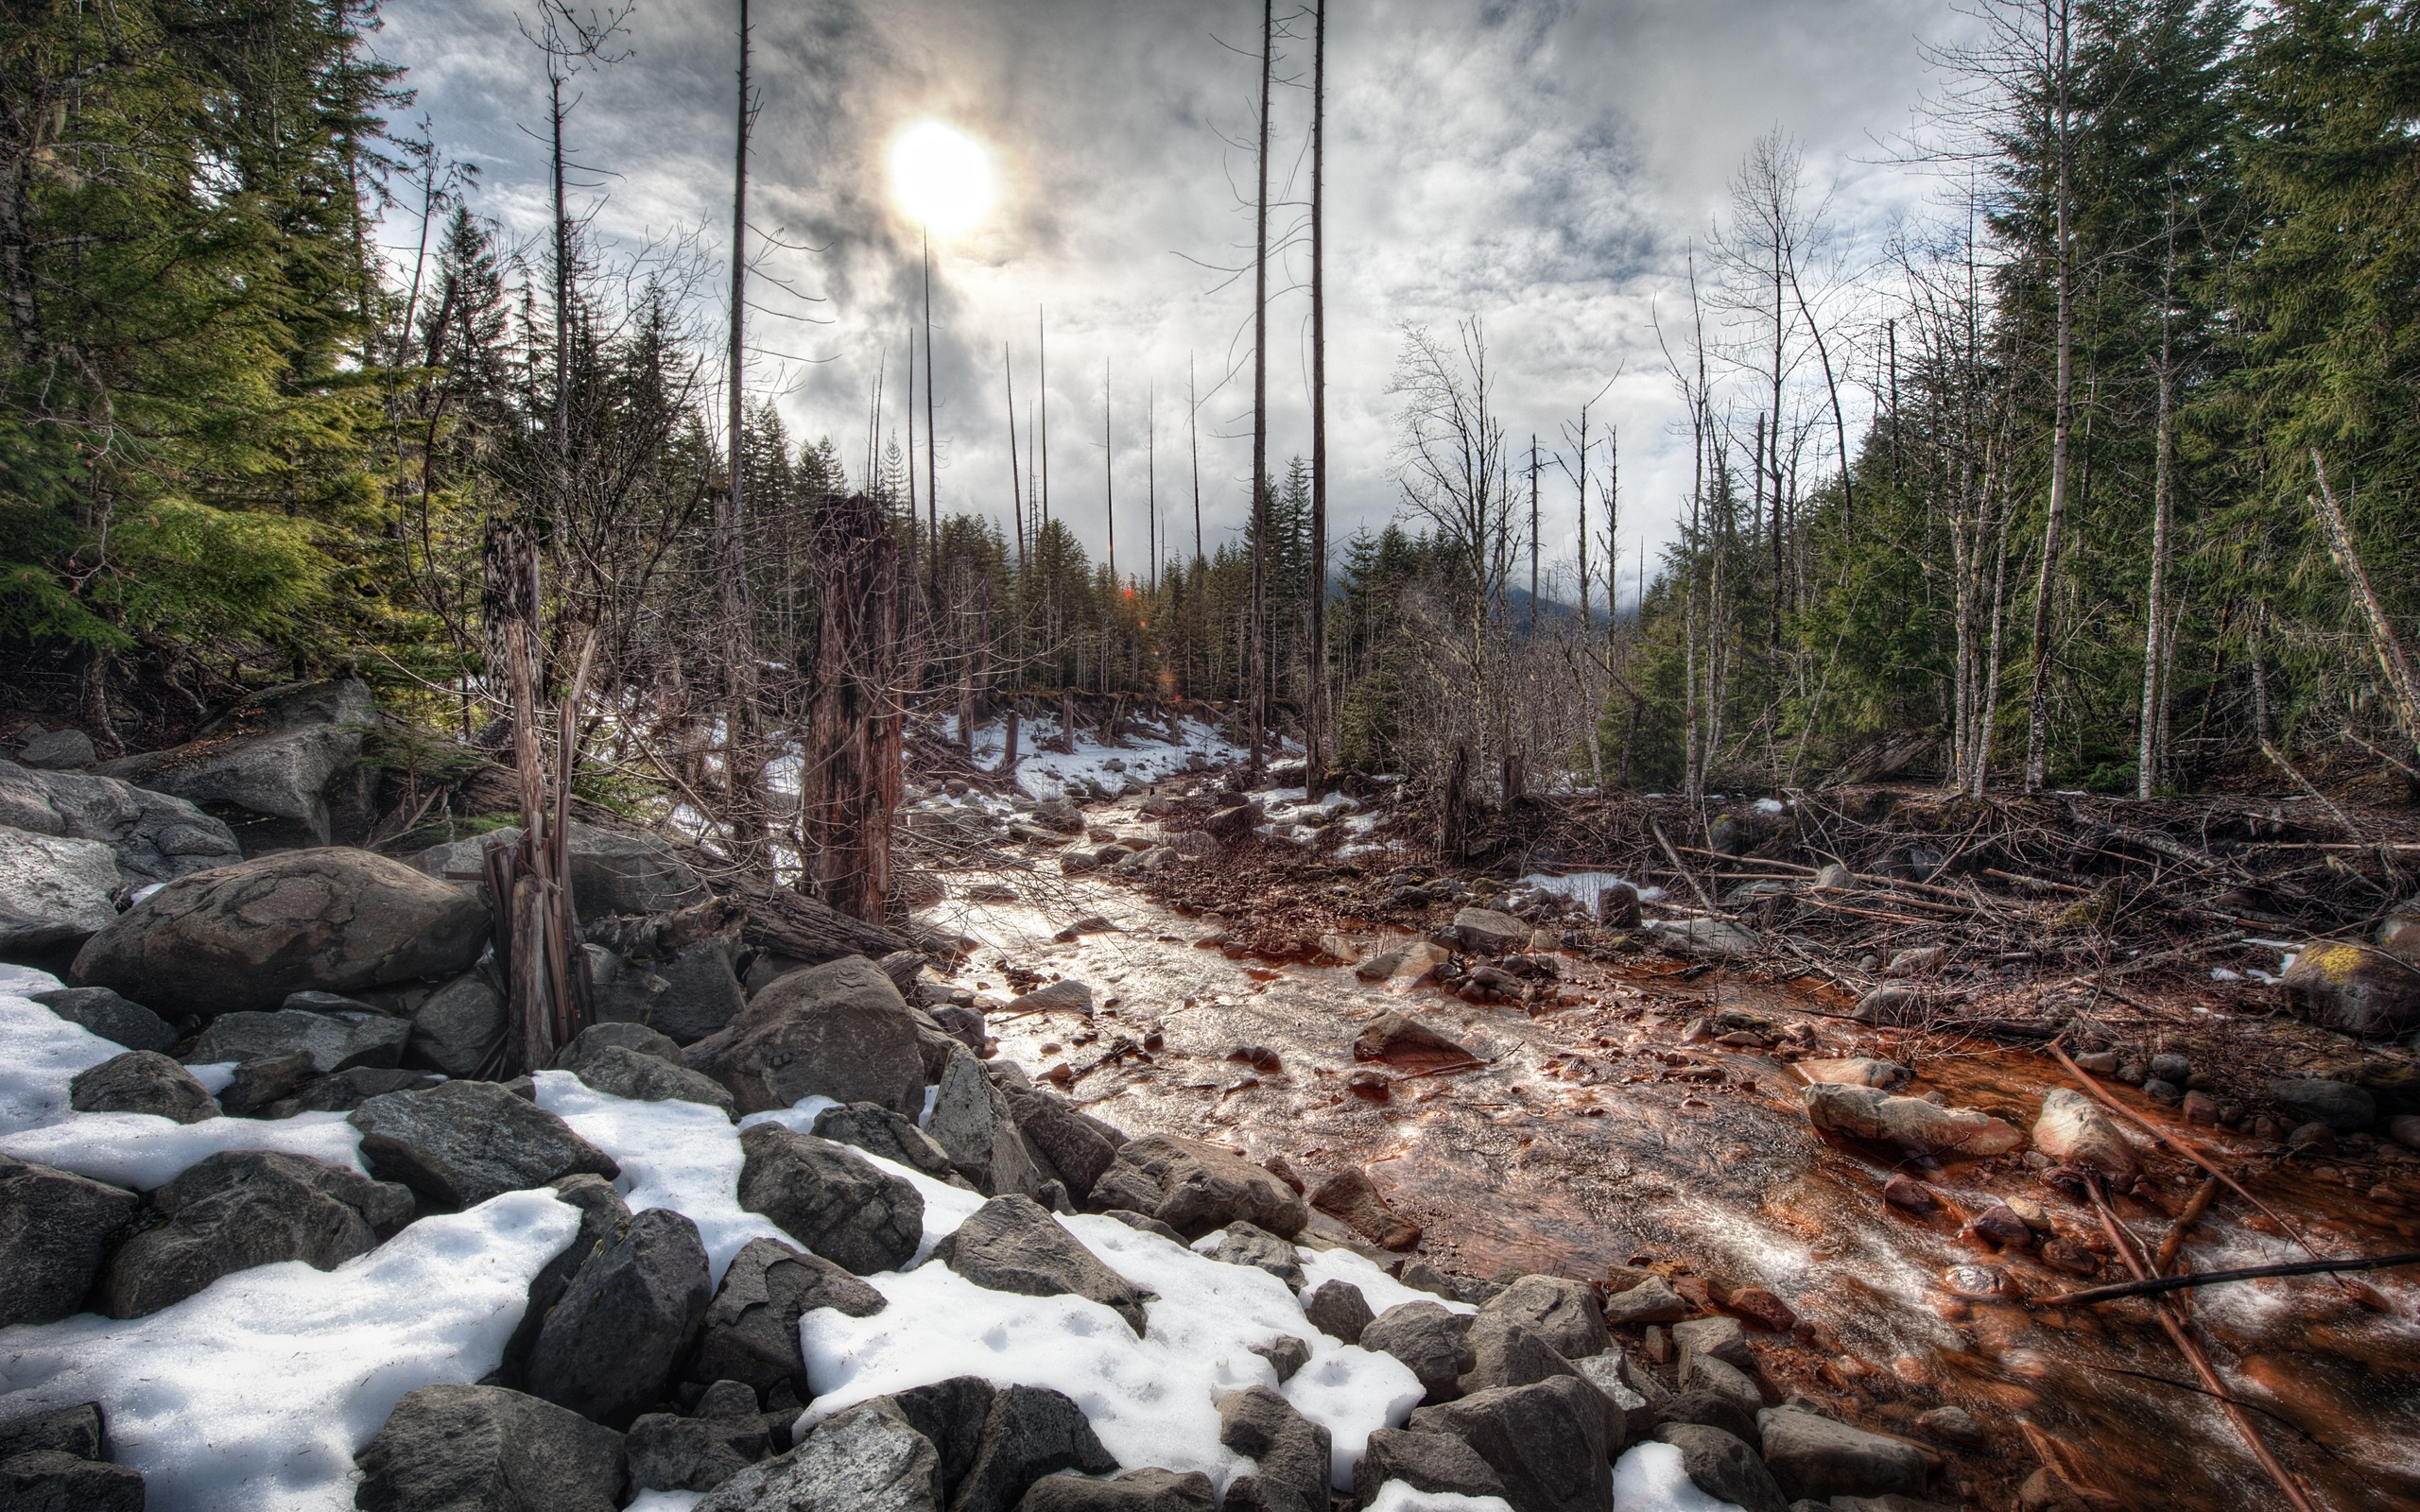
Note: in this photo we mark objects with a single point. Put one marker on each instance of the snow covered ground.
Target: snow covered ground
(255, 1394)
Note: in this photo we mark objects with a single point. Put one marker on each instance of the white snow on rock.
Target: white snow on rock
(1650, 1478)
(1381, 1290)
(253, 1395)
(1398, 1496)
(141, 1151)
(945, 1205)
(1048, 774)
(1585, 888)
(43, 1054)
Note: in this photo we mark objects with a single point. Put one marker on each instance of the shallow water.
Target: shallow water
(1596, 1137)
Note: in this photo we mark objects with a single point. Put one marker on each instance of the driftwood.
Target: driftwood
(791, 923)
(660, 935)
(2153, 1286)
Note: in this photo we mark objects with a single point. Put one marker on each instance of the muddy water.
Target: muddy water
(1597, 1137)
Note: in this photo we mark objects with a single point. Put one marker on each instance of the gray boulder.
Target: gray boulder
(1565, 1313)
(1628, 1415)
(603, 1217)
(282, 768)
(1708, 1409)
(1434, 1343)
(750, 1328)
(152, 836)
(633, 1310)
(1339, 1309)
(1289, 1452)
(1145, 1491)
(109, 1016)
(48, 1481)
(841, 1030)
(1012, 1243)
(459, 1027)
(1077, 1145)
(339, 1093)
(2340, 1105)
(866, 1459)
(1504, 1352)
(877, 1131)
(1652, 1301)
(1721, 1337)
(1241, 1244)
(239, 1209)
(2356, 987)
(830, 1199)
(58, 749)
(1194, 1188)
(461, 1143)
(54, 893)
(335, 1041)
(1702, 939)
(1067, 993)
(1705, 1375)
(1028, 1432)
(1425, 1462)
(246, 936)
(950, 1414)
(972, 1123)
(74, 1431)
(484, 1448)
(56, 1230)
(591, 1042)
(1724, 1468)
(1871, 1113)
(2074, 1131)
(723, 1436)
(1486, 932)
(612, 872)
(1810, 1456)
(701, 993)
(141, 1081)
(1546, 1442)
(618, 1072)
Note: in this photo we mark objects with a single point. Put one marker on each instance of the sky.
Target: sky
(1547, 170)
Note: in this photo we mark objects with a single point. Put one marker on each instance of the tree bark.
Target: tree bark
(2037, 717)
(1257, 670)
(849, 784)
(1317, 740)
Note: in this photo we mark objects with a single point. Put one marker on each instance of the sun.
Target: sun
(941, 176)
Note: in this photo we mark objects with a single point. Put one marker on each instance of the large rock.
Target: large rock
(1703, 939)
(1405, 965)
(866, 1459)
(335, 1041)
(1811, 1457)
(1241, 1243)
(1565, 1313)
(1289, 1452)
(1436, 1462)
(627, 1320)
(603, 1217)
(461, 1143)
(1652, 1300)
(56, 1230)
(1400, 1037)
(49, 1480)
(246, 936)
(877, 1131)
(279, 768)
(459, 1027)
(1628, 1414)
(1078, 1146)
(1028, 1432)
(152, 837)
(2340, 1105)
(1723, 1467)
(1485, 931)
(751, 1329)
(1012, 1243)
(1433, 1343)
(483, 1449)
(700, 992)
(840, 1031)
(239, 1209)
(109, 1016)
(1871, 1113)
(1350, 1195)
(54, 893)
(618, 1072)
(2358, 989)
(830, 1199)
(1504, 1352)
(141, 1081)
(1546, 1442)
(971, 1121)
(59, 749)
(339, 1093)
(77, 1431)
(612, 872)
(1194, 1188)
(1338, 1309)
(1150, 1489)
(2074, 1131)
(951, 1414)
(699, 1452)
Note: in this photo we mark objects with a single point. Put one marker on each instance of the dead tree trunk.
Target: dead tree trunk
(851, 782)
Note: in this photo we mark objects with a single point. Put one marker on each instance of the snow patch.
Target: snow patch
(1650, 1478)
(1398, 1496)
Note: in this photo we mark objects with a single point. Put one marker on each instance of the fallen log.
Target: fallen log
(2155, 1286)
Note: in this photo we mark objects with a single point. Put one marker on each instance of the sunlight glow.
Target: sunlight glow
(941, 176)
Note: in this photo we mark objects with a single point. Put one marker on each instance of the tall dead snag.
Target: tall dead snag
(1318, 746)
(2401, 689)
(851, 783)
(1257, 653)
(743, 778)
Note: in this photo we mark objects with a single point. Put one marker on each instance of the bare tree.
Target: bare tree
(2038, 712)
(1318, 744)
(1256, 693)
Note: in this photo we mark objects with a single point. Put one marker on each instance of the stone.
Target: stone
(613, 872)
(830, 1199)
(1870, 1113)
(344, 1092)
(1891, 1007)
(1077, 1145)
(334, 1041)
(750, 1334)
(701, 993)
(1012, 1244)
(971, 1123)
(1999, 1227)
(1067, 995)
(1617, 905)
(1908, 1195)
(1242, 1243)
(1150, 1489)
(603, 1216)
(58, 749)
(1720, 1338)
(2165, 1093)
(56, 1232)
(141, 1081)
(633, 1308)
(2355, 989)
(1234, 820)
(1755, 1303)
(280, 767)
(152, 836)
(1651, 1301)
(1440, 1464)
(1704, 1373)
(667, 1452)
(1028, 1432)
(1486, 932)
(1858, 1070)
(109, 1016)
(484, 1448)
(1290, 1453)
(458, 1027)
(1564, 1314)
(1350, 1195)
(239, 1209)
(1504, 1352)
(1405, 965)
(866, 1459)
(950, 1414)
(2314, 1138)
(461, 1143)
(1402, 1038)
(74, 1431)
(1194, 1188)
(243, 937)
(1810, 1456)
(1706, 939)
(1339, 1309)
(877, 1131)
(1723, 1467)
(48, 1481)
(257, 1085)
(839, 1030)
(2340, 1105)
(591, 1042)
(2404, 1128)
(1628, 1415)
(2075, 1131)
(55, 892)
(1919, 960)
(1953, 1425)
(1544, 1441)
(1710, 1409)
(1433, 1343)
(619, 1071)
(1286, 1355)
